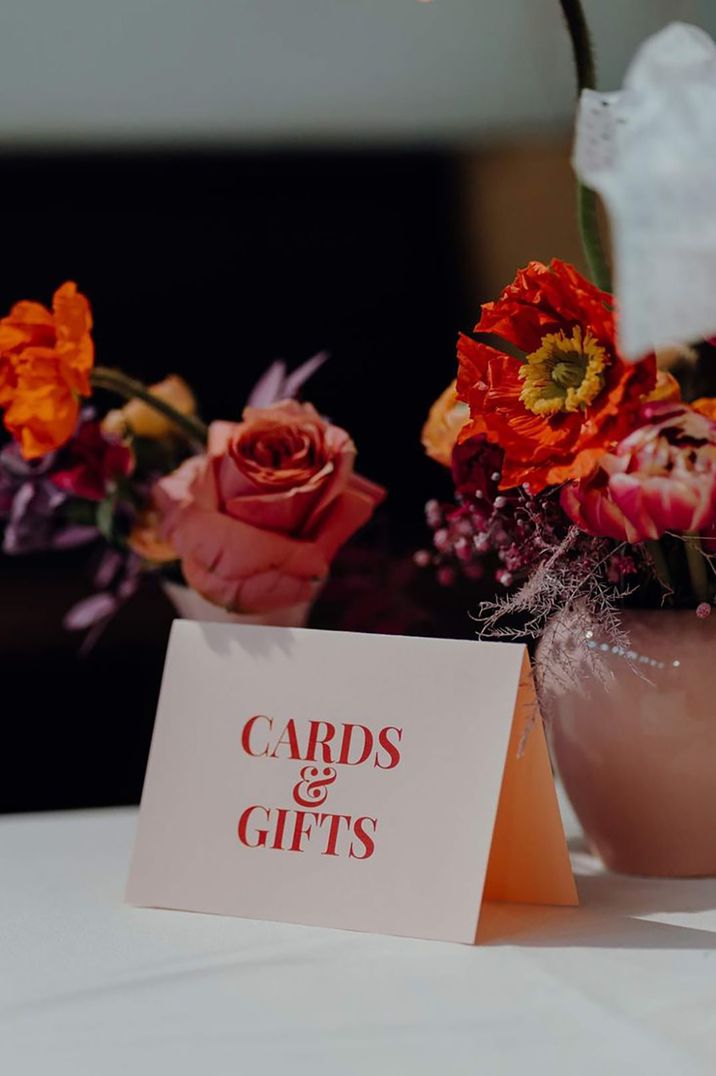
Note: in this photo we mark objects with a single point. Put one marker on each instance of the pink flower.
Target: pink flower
(257, 520)
(662, 477)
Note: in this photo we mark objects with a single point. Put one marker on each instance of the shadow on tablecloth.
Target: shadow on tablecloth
(615, 911)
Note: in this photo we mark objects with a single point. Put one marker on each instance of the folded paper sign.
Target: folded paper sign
(373, 783)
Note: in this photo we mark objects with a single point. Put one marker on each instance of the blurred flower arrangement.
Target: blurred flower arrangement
(249, 514)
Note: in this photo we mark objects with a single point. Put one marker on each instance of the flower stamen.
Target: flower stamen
(565, 373)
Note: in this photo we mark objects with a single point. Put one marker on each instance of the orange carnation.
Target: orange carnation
(45, 361)
(570, 398)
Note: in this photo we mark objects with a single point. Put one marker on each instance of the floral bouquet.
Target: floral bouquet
(583, 477)
(579, 478)
(247, 514)
(585, 472)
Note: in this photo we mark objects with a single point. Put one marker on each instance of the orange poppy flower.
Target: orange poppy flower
(569, 398)
(45, 361)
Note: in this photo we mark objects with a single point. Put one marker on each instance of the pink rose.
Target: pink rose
(662, 477)
(257, 520)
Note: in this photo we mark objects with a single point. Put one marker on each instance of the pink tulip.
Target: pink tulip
(662, 477)
(257, 520)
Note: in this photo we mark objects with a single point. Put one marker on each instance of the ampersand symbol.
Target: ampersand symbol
(312, 789)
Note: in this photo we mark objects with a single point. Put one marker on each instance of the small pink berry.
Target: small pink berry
(482, 544)
(463, 549)
(703, 610)
(441, 539)
(445, 576)
(433, 514)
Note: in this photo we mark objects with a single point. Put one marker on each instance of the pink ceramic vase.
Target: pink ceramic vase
(633, 736)
(191, 606)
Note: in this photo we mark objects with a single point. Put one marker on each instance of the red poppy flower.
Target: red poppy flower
(569, 397)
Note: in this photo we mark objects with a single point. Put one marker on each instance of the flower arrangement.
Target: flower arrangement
(583, 480)
(249, 514)
(578, 477)
(585, 474)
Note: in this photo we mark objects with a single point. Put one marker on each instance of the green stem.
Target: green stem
(586, 198)
(698, 571)
(581, 44)
(661, 566)
(591, 237)
(129, 388)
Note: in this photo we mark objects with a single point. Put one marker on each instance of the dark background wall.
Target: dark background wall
(211, 265)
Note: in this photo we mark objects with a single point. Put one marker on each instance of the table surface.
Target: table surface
(89, 985)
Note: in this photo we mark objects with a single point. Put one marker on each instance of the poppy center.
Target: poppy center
(565, 373)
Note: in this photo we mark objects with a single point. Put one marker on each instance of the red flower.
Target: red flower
(91, 463)
(571, 398)
(476, 467)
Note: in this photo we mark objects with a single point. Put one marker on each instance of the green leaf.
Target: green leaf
(81, 512)
(105, 518)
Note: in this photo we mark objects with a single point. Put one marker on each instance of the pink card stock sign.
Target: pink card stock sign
(369, 782)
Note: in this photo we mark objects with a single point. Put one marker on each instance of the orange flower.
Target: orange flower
(705, 405)
(45, 361)
(141, 420)
(146, 541)
(666, 389)
(555, 411)
(445, 419)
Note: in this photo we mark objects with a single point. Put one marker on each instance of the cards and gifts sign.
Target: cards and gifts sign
(309, 820)
(330, 778)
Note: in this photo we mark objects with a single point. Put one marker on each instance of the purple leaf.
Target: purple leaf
(73, 536)
(111, 563)
(268, 387)
(90, 611)
(302, 373)
(275, 384)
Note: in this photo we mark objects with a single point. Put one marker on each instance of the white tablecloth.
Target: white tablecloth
(91, 986)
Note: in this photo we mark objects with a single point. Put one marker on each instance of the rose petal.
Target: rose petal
(234, 549)
(346, 514)
(286, 511)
